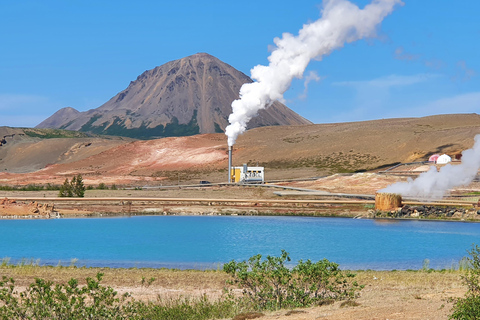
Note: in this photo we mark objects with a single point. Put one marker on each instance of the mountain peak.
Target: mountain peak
(182, 97)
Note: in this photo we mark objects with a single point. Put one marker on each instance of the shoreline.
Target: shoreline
(182, 209)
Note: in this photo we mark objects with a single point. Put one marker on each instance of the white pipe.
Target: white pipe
(229, 164)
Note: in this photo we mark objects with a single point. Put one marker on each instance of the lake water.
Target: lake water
(208, 241)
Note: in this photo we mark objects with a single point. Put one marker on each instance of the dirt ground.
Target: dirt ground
(387, 294)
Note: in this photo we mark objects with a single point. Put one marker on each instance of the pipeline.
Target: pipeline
(230, 164)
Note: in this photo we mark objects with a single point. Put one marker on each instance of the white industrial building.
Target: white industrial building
(247, 174)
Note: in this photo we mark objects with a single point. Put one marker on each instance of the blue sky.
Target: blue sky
(55, 54)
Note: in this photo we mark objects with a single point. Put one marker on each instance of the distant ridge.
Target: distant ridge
(179, 98)
(59, 118)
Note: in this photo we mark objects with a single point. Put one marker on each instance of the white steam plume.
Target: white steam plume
(312, 76)
(341, 22)
(435, 184)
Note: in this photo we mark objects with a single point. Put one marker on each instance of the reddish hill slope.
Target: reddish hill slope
(286, 151)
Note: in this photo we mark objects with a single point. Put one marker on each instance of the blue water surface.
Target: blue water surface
(208, 241)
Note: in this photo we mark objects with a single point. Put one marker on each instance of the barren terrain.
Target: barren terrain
(286, 152)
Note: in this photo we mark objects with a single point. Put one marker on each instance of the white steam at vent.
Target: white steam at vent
(341, 22)
(434, 184)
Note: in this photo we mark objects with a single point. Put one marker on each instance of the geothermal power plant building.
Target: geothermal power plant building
(246, 174)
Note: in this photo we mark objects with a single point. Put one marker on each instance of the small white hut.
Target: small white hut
(444, 159)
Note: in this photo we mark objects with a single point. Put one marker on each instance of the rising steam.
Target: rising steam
(435, 184)
(341, 22)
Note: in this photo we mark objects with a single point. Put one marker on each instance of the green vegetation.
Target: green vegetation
(53, 133)
(102, 186)
(217, 127)
(118, 128)
(46, 300)
(73, 188)
(270, 285)
(468, 307)
(30, 187)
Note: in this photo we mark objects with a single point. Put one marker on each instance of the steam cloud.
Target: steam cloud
(435, 184)
(341, 22)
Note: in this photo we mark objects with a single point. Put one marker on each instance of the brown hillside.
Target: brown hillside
(286, 152)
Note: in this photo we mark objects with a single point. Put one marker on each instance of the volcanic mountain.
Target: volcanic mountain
(182, 97)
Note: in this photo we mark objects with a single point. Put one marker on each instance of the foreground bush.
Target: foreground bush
(267, 285)
(270, 285)
(468, 308)
(44, 300)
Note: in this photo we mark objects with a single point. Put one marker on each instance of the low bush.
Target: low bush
(30, 187)
(468, 307)
(45, 300)
(270, 285)
(267, 285)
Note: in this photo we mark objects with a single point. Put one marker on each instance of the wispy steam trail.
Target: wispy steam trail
(341, 22)
(435, 184)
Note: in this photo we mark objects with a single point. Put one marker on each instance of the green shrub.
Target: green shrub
(46, 300)
(65, 189)
(468, 307)
(102, 186)
(78, 187)
(270, 285)
(73, 188)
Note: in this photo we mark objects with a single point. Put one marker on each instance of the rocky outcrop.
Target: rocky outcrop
(430, 212)
(10, 208)
(4, 139)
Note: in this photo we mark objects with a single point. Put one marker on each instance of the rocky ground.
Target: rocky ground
(10, 208)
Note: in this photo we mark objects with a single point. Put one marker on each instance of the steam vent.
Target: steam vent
(387, 201)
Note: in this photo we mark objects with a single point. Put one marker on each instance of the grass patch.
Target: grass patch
(54, 133)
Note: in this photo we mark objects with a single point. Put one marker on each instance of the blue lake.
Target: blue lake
(208, 241)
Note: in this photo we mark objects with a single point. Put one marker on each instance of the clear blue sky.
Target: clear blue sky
(80, 53)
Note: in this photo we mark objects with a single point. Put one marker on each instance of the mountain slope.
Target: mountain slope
(28, 150)
(182, 97)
